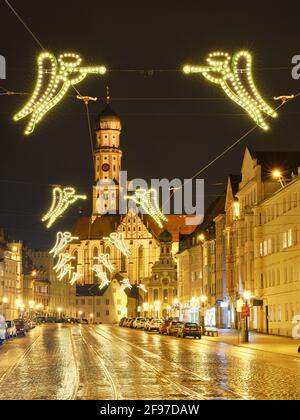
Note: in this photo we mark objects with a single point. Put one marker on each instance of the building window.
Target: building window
(83, 302)
(107, 313)
(279, 313)
(98, 315)
(107, 302)
(119, 302)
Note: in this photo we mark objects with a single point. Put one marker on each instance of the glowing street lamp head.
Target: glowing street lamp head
(203, 298)
(247, 295)
(80, 313)
(5, 300)
(276, 174)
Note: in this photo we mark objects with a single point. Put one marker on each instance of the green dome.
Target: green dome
(165, 236)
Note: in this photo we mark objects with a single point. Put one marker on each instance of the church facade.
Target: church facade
(140, 233)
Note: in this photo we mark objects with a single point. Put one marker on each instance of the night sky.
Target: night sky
(172, 124)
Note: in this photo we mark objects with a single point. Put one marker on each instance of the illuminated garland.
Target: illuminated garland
(62, 240)
(236, 82)
(143, 288)
(125, 284)
(145, 198)
(63, 73)
(61, 200)
(118, 241)
(75, 278)
(104, 260)
(63, 266)
(102, 276)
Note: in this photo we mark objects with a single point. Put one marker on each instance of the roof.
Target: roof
(106, 115)
(165, 236)
(175, 225)
(102, 226)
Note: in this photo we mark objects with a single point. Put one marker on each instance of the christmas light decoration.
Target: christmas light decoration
(63, 266)
(117, 240)
(143, 288)
(104, 260)
(75, 278)
(125, 284)
(61, 200)
(236, 82)
(147, 199)
(62, 240)
(102, 276)
(62, 74)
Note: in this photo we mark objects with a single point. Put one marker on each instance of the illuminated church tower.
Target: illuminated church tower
(108, 156)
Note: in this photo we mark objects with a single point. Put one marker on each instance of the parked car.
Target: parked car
(31, 324)
(130, 323)
(163, 329)
(11, 330)
(121, 322)
(84, 321)
(2, 329)
(154, 325)
(174, 327)
(147, 323)
(139, 322)
(189, 329)
(127, 322)
(22, 326)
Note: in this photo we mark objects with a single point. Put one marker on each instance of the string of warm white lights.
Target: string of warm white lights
(143, 287)
(104, 259)
(102, 276)
(147, 199)
(64, 73)
(61, 200)
(117, 239)
(75, 277)
(125, 284)
(63, 266)
(224, 70)
(62, 240)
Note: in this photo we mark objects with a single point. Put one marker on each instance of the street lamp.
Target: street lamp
(203, 300)
(91, 318)
(145, 308)
(157, 306)
(277, 174)
(59, 310)
(247, 297)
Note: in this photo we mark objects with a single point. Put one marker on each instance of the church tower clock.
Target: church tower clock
(108, 156)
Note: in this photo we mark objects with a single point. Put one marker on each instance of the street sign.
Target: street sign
(245, 311)
(258, 302)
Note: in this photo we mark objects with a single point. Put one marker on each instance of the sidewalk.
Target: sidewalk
(270, 343)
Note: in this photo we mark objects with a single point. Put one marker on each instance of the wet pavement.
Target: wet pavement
(108, 362)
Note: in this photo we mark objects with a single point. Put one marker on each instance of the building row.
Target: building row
(247, 251)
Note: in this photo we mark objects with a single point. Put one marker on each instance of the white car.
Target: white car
(2, 329)
(154, 325)
(139, 323)
(11, 330)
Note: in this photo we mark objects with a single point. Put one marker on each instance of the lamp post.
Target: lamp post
(247, 297)
(203, 300)
(157, 306)
(145, 308)
(80, 315)
(91, 318)
(59, 310)
(277, 174)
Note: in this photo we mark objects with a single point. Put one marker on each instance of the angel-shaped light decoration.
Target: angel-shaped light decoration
(62, 240)
(147, 199)
(61, 200)
(117, 240)
(143, 287)
(60, 75)
(104, 259)
(75, 278)
(63, 266)
(102, 276)
(237, 82)
(125, 284)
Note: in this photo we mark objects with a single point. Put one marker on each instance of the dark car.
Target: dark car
(122, 320)
(22, 326)
(163, 329)
(189, 329)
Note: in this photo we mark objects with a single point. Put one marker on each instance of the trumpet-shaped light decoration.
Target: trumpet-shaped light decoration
(147, 199)
(61, 200)
(63, 266)
(60, 75)
(125, 284)
(143, 288)
(117, 240)
(105, 261)
(75, 278)
(62, 240)
(237, 83)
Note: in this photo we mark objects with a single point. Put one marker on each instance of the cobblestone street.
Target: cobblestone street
(105, 362)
